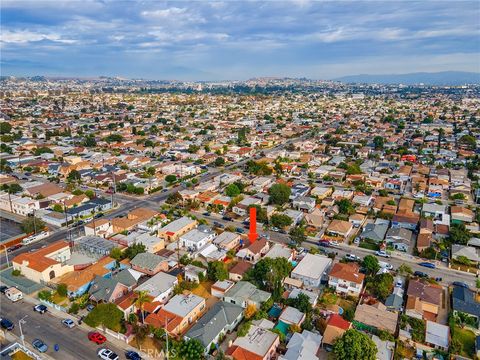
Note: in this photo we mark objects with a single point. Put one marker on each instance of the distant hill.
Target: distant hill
(435, 78)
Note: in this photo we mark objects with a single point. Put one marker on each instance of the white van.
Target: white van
(35, 237)
(13, 294)
(385, 265)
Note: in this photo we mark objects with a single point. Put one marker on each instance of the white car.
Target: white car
(68, 323)
(352, 257)
(333, 243)
(399, 283)
(356, 241)
(382, 253)
(107, 354)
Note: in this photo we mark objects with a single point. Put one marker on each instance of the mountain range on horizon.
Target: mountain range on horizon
(451, 78)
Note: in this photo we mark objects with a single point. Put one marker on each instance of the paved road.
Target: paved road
(73, 343)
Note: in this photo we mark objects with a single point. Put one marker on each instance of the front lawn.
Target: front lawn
(467, 339)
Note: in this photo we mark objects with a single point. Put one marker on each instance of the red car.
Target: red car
(96, 337)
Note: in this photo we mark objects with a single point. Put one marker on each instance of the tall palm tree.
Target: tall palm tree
(142, 298)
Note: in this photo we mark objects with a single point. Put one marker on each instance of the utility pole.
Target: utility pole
(6, 255)
(34, 222)
(166, 336)
(20, 322)
(69, 233)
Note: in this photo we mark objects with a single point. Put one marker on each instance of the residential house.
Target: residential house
(112, 288)
(304, 203)
(149, 264)
(303, 346)
(470, 252)
(194, 273)
(254, 251)
(177, 228)
(159, 287)
(221, 287)
(219, 320)
(238, 270)
(312, 269)
(196, 239)
(258, 344)
(227, 240)
(244, 293)
(405, 220)
(315, 218)
(46, 263)
(242, 207)
(463, 301)
(178, 314)
(399, 238)
(98, 227)
(376, 316)
(292, 316)
(336, 326)
(340, 228)
(280, 251)
(423, 300)
(346, 279)
(437, 335)
(375, 232)
(461, 215)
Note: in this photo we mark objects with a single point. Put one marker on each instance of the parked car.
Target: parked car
(90, 307)
(132, 355)
(420, 274)
(206, 214)
(107, 354)
(428, 265)
(40, 308)
(352, 257)
(356, 241)
(39, 345)
(68, 323)
(14, 247)
(96, 337)
(218, 225)
(460, 284)
(399, 283)
(382, 253)
(333, 243)
(240, 230)
(227, 218)
(324, 243)
(6, 324)
(3, 288)
(99, 215)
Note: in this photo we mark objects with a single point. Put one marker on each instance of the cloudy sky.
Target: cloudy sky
(208, 40)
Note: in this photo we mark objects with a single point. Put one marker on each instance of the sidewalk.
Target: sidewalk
(62, 315)
(12, 338)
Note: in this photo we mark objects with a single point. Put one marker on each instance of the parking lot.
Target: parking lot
(8, 229)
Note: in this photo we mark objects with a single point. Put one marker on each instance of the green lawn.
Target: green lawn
(467, 338)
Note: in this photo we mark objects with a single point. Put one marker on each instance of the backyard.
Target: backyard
(467, 339)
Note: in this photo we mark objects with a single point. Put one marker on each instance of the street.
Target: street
(73, 343)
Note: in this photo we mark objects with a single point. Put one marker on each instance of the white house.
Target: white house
(312, 269)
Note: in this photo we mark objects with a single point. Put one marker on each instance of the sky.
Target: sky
(237, 40)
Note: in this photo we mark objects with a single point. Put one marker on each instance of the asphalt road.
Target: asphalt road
(73, 343)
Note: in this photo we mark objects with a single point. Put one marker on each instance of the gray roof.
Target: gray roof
(147, 260)
(463, 300)
(395, 300)
(243, 290)
(102, 287)
(303, 346)
(375, 232)
(214, 321)
(400, 233)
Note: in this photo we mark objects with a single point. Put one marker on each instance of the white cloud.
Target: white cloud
(26, 36)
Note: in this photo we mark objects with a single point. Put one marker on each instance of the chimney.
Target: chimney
(253, 225)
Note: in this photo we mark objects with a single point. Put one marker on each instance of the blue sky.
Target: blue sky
(207, 40)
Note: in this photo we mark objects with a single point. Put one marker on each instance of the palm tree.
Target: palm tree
(142, 298)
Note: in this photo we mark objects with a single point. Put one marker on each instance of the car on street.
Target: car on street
(428, 265)
(40, 308)
(382, 253)
(96, 337)
(6, 324)
(14, 247)
(132, 355)
(352, 257)
(420, 274)
(227, 218)
(3, 288)
(68, 323)
(324, 243)
(460, 284)
(206, 214)
(334, 243)
(99, 215)
(107, 354)
(218, 225)
(39, 345)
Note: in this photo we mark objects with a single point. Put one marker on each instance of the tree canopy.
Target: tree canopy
(354, 345)
(279, 194)
(217, 271)
(31, 224)
(371, 265)
(281, 220)
(191, 350)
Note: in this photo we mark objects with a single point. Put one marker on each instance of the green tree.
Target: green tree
(73, 176)
(371, 265)
(62, 290)
(5, 128)
(468, 141)
(404, 270)
(219, 161)
(89, 141)
(301, 302)
(116, 253)
(170, 178)
(459, 234)
(90, 193)
(354, 345)
(113, 138)
(345, 207)
(279, 194)
(191, 349)
(281, 220)
(269, 273)
(133, 250)
(261, 213)
(174, 198)
(378, 142)
(57, 208)
(12, 188)
(105, 314)
(217, 271)
(32, 224)
(42, 150)
(381, 285)
(297, 235)
(142, 298)
(232, 190)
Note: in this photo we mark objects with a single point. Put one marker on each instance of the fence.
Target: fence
(53, 305)
(119, 336)
(16, 347)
